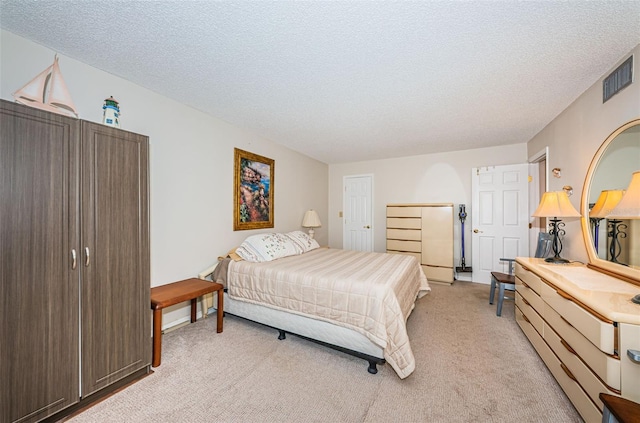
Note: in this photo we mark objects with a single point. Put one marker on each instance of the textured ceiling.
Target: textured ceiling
(345, 81)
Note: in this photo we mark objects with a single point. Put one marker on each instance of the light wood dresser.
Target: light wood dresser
(585, 327)
(424, 231)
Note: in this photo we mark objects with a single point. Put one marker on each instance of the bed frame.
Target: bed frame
(337, 337)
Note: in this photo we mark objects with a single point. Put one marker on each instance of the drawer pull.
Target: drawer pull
(526, 319)
(564, 295)
(524, 300)
(525, 284)
(568, 347)
(634, 355)
(566, 370)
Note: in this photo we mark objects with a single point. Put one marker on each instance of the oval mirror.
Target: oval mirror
(613, 245)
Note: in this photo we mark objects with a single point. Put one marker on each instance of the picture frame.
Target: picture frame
(253, 191)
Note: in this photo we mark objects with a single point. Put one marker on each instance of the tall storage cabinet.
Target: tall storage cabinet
(74, 252)
(426, 232)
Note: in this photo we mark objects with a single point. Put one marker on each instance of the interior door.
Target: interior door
(39, 357)
(358, 213)
(500, 217)
(115, 255)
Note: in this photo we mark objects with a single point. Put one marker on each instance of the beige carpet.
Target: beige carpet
(471, 367)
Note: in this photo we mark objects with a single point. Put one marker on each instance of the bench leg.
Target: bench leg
(194, 308)
(220, 310)
(157, 337)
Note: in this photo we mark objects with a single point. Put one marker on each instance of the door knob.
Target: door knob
(475, 231)
(367, 227)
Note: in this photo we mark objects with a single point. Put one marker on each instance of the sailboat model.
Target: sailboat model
(48, 91)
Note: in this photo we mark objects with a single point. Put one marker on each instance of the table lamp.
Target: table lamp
(311, 220)
(553, 205)
(607, 200)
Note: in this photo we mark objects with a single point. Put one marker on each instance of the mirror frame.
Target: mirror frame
(627, 273)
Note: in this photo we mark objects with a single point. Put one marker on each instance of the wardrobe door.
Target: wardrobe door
(116, 338)
(437, 242)
(38, 288)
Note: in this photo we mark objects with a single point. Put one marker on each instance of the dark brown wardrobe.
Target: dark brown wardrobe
(74, 258)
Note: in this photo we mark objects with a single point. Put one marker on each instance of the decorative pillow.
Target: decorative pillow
(266, 247)
(302, 241)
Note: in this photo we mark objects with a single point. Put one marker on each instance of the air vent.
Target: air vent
(618, 80)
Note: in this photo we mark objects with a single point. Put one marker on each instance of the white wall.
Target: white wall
(576, 134)
(191, 164)
(431, 178)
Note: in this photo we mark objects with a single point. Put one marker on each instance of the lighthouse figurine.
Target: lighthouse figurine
(111, 112)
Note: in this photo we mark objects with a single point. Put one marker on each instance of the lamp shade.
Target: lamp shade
(607, 200)
(311, 219)
(555, 204)
(629, 205)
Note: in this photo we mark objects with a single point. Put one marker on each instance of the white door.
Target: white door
(358, 213)
(499, 217)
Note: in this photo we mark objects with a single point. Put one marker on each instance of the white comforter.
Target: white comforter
(372, 293)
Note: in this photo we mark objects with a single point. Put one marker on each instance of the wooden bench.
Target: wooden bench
(178, 292)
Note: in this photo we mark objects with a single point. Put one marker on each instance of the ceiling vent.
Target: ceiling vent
(618, 80)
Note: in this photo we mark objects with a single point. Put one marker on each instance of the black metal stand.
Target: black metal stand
(615, 229)
(555, 229)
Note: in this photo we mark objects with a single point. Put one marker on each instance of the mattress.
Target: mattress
(370, 293)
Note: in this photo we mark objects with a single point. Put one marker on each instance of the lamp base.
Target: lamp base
(556, 260)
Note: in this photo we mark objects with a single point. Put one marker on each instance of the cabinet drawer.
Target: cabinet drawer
(629, 369)
(606, 367)
(408, 253)
(528, 278)
(599, 332)
(584, 376)
(580, 400)
(404, 222)
(397, 245)
(533, 317)
(530, 295)
(440, 274)
(532, 335)
(404, 234)
(394, 211)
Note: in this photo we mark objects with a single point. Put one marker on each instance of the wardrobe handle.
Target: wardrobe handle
(74, 259)
(87, 257)
(634, 355)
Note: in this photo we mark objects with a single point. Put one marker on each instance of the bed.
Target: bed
(353, 301)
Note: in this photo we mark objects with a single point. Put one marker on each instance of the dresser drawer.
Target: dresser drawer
(395, 211)
(441, 274)
(605, 366)
(599, 332)
(584, 376)
(404, 223)
(630, 370)
(530, 296)
(408, 253)
(410, 246)
(533, 317)
(404, 234)
(528, 278)
(532, 335)
(580, 400)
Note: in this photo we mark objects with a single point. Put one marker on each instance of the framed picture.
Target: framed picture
(253, 183)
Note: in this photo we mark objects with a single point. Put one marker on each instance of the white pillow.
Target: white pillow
(266, 247)
(302, 241)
